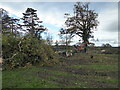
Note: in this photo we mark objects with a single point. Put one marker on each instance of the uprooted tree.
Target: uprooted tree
(83, 23)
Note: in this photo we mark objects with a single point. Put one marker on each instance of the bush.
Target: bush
(19, 52)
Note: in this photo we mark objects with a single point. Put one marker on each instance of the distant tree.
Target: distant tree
(56, 43)
(49, 39)
(91, 44)
(106, 45)
(32, 23)
(65, 37)
(83, 23)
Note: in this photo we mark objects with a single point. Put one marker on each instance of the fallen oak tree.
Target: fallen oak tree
(28, 50)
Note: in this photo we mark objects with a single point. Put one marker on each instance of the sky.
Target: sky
(52, 15)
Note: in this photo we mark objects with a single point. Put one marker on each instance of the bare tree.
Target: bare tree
(65, 37)
(49, 39)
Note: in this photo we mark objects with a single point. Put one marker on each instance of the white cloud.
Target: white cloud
(59, 1)
(12, 11)
(54, 17)
(108, 27)
(50, 15)
(51, 31)
(107, 17)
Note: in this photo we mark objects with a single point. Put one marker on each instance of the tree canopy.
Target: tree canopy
(83, 23)
(9, 24)
(32, 23)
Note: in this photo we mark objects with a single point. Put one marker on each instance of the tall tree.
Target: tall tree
(32, 23)
(83, 23)
(9, 24)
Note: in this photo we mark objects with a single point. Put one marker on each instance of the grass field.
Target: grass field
(78, 71)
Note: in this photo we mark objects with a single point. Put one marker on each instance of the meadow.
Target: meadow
(77, 71)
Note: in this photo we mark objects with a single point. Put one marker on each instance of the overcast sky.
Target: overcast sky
(52, 15)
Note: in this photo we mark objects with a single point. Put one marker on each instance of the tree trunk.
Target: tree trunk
(85, 41)
(85, 49)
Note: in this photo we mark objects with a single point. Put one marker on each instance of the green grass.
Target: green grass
(101, 68)
(0, 80)
(106, 58)
(78, 84)
(108, 80)
(28, 78)
(24, 78)
(19, 79)
(58, 73)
